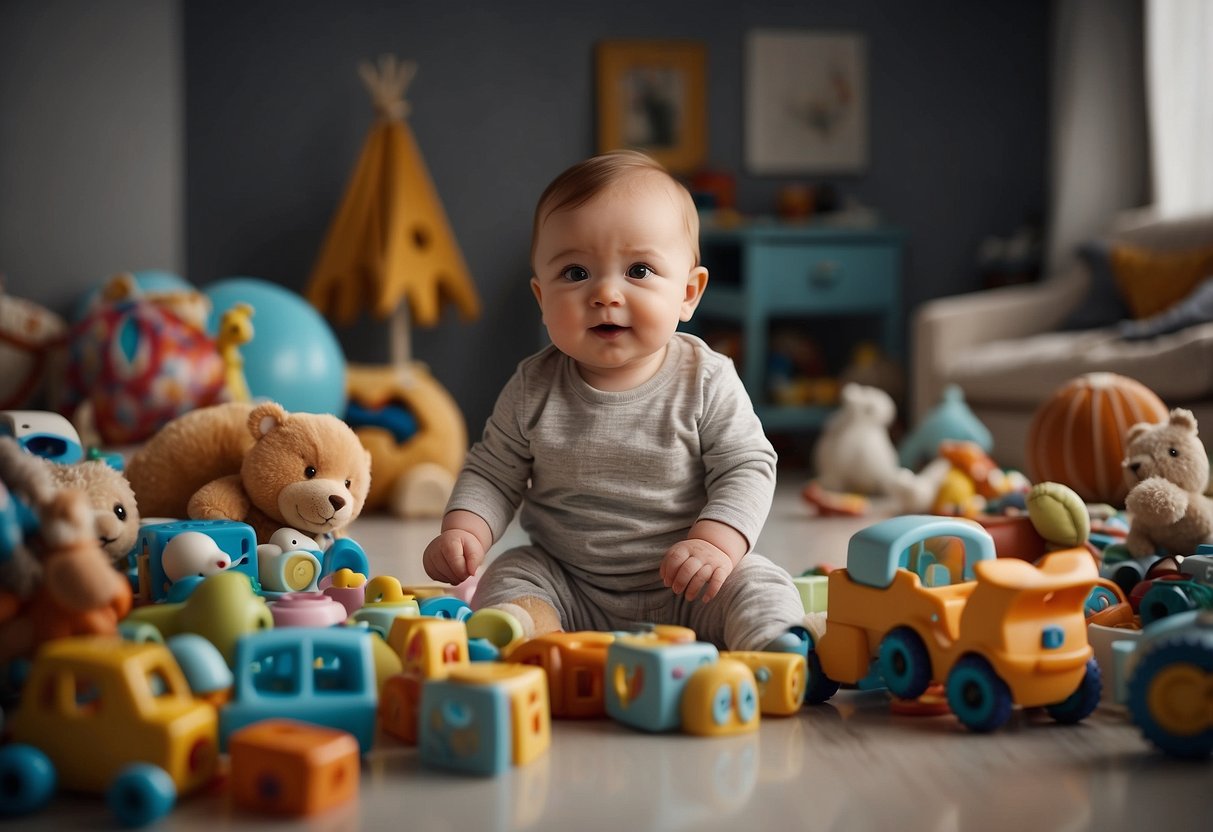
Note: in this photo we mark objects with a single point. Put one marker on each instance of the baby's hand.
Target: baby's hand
(453, 556)
(694, 566)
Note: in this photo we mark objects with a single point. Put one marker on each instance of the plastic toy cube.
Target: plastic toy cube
(575, 664)
(780, 678)
(813, 591)
(484, 716)
(286, 767)
(429, 646)
(720, 699)
(400, 704)
(645, 680)
(237, 540)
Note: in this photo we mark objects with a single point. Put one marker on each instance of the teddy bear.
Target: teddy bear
(854, 453)
(254, 463)
(1167, 470)
(115, 510)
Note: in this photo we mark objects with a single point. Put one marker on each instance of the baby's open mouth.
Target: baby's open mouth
(608, 329)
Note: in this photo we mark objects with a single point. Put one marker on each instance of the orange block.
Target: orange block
(286, 767)
(400, 706)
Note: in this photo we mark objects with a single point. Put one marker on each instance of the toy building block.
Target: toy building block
(424, 591)
(400, 706)
(430, 647)
(483, 717)
(575, 664)
(813, 591)
(160, 562)
(720, 699)
(222, 609)
(285, 767)
(209, 677)
(322, 676)
(445, 606)
(780, 678)
(384, 601)
(287, 571)
(307, 609)
(347, 587)
(645, 680)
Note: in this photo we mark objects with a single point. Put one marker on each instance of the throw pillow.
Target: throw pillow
(1151, 281)
(1102, 305)
(1196, 308)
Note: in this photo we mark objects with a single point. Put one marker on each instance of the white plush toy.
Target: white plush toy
(854, 453)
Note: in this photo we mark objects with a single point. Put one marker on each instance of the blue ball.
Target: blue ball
(294, 358)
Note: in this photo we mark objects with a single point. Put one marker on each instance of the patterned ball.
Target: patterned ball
(1077, 437)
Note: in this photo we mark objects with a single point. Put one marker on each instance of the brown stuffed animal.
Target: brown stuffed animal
(1167, 470)
(115, 510)
(257, 464)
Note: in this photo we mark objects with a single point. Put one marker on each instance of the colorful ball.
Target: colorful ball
(1077, 437)
(293, 358)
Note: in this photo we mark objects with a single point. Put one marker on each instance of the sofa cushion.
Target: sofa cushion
(1021, 373)
(1151, 281)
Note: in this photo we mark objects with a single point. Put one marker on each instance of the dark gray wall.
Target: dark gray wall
(276, 115)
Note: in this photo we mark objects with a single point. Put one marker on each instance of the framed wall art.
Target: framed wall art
(806, 108)
(652, 97)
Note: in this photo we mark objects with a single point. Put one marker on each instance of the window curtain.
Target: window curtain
(1099, 158)
(1179, 81)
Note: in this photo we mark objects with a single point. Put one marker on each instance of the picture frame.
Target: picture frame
(651, 96)
(806, 108)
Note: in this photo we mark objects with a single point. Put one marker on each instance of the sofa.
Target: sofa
(1009, 348)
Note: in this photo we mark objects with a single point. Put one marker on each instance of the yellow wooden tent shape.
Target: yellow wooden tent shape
(390, 245)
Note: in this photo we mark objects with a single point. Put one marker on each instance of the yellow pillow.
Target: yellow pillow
(1151, 281)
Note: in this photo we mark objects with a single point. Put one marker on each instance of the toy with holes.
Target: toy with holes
(648, 682)
(1008, 633)
(323, 676)
(575, 665)
(172, 558)
(106, 716)
(780, 678)
(384, 601)
(720, 700)
(285, 767)
(429, 648)
(1170, 683)
(484, 717)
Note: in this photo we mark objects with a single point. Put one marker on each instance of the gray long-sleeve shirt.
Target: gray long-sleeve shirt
(608, 481)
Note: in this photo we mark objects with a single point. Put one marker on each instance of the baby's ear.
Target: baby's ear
(536, 290)
(697, 281)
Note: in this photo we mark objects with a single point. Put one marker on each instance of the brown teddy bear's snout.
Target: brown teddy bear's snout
(316, 505)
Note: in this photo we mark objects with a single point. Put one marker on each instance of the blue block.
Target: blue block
(445, 606)
(237, 540)
(464, 727)
(645, 679)
(321, 675)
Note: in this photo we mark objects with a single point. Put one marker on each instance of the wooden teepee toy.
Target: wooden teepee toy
(390, 251)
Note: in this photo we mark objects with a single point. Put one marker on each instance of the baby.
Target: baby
(642, 471)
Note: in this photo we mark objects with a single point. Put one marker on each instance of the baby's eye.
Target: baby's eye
(575, 274)
(639, 271)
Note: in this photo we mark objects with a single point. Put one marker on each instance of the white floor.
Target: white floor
(846, 765)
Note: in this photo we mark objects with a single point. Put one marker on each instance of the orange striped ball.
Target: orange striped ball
(1077, 436)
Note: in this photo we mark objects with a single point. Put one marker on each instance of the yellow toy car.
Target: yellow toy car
(104, 715)
(1007, 633)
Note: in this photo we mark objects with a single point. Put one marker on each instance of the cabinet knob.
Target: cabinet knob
(824, 274)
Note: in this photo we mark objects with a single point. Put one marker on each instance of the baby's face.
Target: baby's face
(614, 277)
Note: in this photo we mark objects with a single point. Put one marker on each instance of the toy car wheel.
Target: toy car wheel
(27, 779)
(818, 687)
(141, 794)
(904, 663)
(979, 698)
(1162, 599)
(1169, 697)
(1082, 702)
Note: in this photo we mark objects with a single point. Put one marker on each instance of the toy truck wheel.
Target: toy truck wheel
(27, 779)
(818, 687)
(141, 794)
(1082, 702)
(979, 698)
(1164, 598)
(1169, 697)
(904, 663)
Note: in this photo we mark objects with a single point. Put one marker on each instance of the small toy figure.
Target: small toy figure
(650, 476)
(854, 453)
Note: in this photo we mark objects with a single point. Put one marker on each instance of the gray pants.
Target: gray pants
(757, 603)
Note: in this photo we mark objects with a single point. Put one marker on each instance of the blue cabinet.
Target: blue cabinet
(813, 276)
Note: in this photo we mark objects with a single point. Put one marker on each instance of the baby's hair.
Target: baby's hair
(583, 181)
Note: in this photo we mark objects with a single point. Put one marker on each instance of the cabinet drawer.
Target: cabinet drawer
(823, 278)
